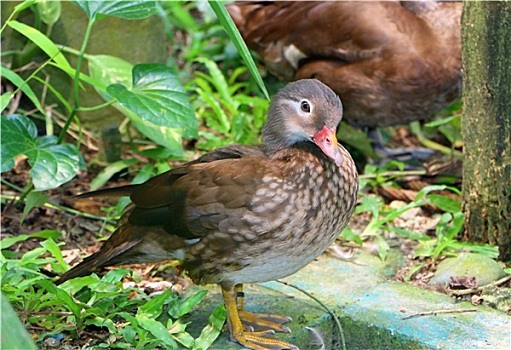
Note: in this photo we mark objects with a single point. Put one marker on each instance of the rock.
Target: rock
(498, 298)
(485, 269)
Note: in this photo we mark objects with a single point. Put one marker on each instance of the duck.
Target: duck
(391, 62)
(244, 213)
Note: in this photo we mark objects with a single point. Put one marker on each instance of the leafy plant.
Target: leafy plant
(154, 102)
(224, 108)
(52, 163)
(141, 322)
(445, 242)
(154, 88)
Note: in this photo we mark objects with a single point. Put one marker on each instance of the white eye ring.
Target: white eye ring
(305, 106)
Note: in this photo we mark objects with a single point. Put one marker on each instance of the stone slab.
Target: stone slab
(371, 308)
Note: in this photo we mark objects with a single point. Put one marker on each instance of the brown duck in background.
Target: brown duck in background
(391, 62)
(245, 214)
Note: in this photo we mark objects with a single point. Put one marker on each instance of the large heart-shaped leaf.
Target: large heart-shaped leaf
(159, 103)
(52, 164)
(108, 70)
(170, 138)
(120, 8)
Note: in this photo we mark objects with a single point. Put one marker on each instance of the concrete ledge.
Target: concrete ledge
(370, 308)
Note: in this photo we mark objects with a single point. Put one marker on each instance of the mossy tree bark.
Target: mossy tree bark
(486, 127)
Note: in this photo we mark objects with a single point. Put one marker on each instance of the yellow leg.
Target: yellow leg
(250, 340)
(263, 322)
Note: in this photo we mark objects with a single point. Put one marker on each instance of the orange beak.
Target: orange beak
(327, 141)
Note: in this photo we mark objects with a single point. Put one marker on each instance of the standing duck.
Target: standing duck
(391, 62)
(245, 214)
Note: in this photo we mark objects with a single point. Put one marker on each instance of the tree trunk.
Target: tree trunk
(486, 127)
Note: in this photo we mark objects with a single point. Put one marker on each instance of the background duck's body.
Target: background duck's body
(391, 62)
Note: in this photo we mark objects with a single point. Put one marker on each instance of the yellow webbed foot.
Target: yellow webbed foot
(268, 323)
(257, 321)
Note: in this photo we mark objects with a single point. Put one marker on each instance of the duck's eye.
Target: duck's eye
(305, 106)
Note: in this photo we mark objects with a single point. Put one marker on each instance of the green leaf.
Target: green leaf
(49, 11)
(181, 16)
(23, 6)
(17, 9)
(34, 199)
(102, 322)
(187, 305)
(217, 79)
(13, 334)
(115, 276)
(64, 297)
(413, 270)
(483, 249)
(428, 189)
(106, 70)
(350, 235)
(184, 338)
(158, 330)
(170, 138)
(220, 122)
(154, 307)
(54, 249)
(52, 164)
(234, 34)
(212, 330)
(439, 122)
(356, 138)
(23, 86)
(158, 97)
(129, 334)
(382, 247)
(17, 134)
(120, 8)
(416, 236)
(398, 212)
(110, 170)
(370, 204)
(5, 99)
(445, 203)
(457, 224)
(78, 283)
(42, 41)
(45, 234)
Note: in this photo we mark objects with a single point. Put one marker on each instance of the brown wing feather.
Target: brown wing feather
(171, 208)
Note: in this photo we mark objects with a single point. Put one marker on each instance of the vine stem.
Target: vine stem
(76, 85)
(334, 316)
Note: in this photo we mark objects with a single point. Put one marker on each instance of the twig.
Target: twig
(74, 131)
(334, 316)
(61, 313)
(435, 312)
(66, 210)
(480, 289)
(394, 173)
